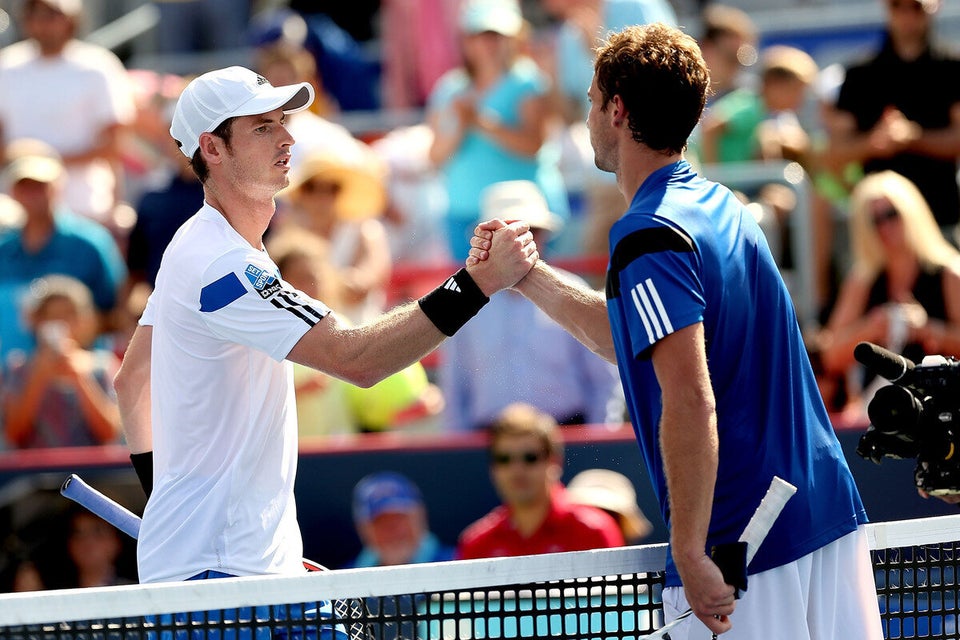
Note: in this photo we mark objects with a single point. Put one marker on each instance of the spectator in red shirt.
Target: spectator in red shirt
(526, 462)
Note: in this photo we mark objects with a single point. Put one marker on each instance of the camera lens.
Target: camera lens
(895, 410)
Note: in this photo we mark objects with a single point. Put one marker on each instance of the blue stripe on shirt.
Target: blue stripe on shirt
(220, 293)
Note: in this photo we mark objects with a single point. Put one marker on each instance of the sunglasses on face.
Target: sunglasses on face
(321, 187)
(528, 458)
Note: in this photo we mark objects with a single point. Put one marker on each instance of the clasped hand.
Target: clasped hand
(501, 254)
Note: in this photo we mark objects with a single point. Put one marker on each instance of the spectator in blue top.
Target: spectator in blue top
(52, 240)
(391, 520)
(489, 119)
(160, 213)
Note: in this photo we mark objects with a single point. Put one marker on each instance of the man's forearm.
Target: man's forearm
(132, 384)
(581, 311)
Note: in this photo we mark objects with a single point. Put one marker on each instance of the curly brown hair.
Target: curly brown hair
(662, 79)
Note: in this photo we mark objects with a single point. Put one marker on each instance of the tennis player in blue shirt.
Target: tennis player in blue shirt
(720, 390)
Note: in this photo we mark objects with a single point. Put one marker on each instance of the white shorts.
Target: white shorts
(824, 595)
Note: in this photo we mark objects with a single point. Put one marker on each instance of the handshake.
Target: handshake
(501, 254)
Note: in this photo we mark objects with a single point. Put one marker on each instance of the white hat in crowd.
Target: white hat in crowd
(499, 16)
(518, 200)
(228, 93)
(31, 159)
(613, 492)
(70, 8)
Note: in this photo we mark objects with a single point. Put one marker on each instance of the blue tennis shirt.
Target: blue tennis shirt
(688, 251)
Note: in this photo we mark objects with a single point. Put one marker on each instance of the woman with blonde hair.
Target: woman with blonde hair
(903, 288)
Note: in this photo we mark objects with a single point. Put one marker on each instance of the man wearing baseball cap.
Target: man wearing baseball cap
(391, 520)
(205, 392)
(50, 239)
(548, 368)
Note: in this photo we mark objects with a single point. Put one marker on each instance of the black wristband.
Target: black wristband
(450, 305)
(143, 465)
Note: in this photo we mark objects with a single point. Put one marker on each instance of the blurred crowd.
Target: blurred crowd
(93, 188)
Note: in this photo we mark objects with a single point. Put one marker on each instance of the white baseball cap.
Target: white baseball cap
(31, 159)
(69, 8)
(518, 200)
(227, 93)
(499, 16)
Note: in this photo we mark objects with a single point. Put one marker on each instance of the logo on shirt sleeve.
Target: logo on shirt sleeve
(265, 283)
(650, 308)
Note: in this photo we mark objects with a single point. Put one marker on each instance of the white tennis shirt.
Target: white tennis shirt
(223, 408)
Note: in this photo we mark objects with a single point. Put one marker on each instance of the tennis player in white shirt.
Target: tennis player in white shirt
(205, 390)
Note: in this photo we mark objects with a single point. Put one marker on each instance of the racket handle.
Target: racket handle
(119, 516)
(82, 493)
(766, 514)
(753, 534)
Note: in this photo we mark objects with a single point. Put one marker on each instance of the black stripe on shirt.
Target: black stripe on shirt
(640, 243)
(293, 300)
(295, 310)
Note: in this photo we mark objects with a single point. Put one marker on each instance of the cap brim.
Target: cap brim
(394, 505)
(289, 98)
(34, 168)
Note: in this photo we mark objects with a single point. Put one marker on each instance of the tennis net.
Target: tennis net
(596, 595)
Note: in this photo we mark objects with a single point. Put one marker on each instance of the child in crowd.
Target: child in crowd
(62, 395)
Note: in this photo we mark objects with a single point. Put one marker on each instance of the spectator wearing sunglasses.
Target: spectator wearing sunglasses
(900, 110)
(526, 463)
(341, 196)
(903, 288)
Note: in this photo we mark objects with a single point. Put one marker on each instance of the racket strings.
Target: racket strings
(353, 609)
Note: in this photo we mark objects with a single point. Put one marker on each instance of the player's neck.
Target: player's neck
(249, 216)
(637, 163)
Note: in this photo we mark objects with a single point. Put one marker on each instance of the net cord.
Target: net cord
(135, 600)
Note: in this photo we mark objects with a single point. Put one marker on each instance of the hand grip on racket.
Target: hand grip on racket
(753, 535)
(82, 493)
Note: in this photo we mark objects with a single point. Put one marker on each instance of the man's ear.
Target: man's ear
(617, 110)
(211, 148)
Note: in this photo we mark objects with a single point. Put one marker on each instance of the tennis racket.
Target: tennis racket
(125, 520)
(756, 530)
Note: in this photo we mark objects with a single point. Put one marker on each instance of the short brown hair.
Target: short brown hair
(662, 79)
(521, 419)
(224, 130)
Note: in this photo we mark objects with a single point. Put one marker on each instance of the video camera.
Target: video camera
(918, 416)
